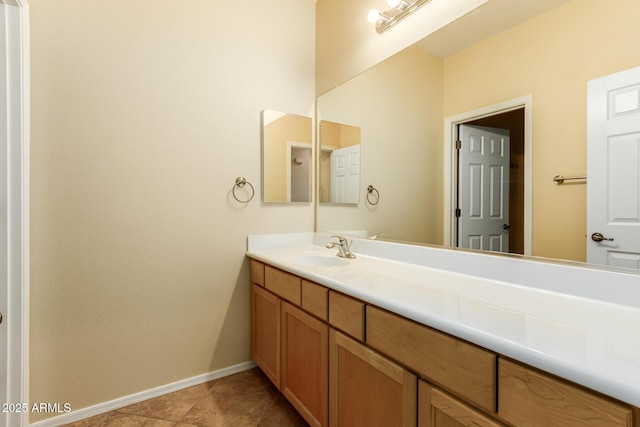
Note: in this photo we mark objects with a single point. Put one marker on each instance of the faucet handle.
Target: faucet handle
(343, 240)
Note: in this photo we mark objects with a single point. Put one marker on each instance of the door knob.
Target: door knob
(506, 226)
(598, 237)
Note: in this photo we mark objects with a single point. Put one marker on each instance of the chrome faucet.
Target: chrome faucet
(343, 246)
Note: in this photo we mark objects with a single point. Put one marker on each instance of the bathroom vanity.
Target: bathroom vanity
(406, 335)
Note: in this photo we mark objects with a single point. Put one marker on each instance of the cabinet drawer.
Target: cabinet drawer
(437, 409)
(283, 284)
(531, 398)
(456, 365)
(347, 314)
(257, 272)
(315, 299)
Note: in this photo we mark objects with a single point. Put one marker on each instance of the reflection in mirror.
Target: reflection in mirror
(286, 157)
(402, 103)
(401, 122)
(339, 163)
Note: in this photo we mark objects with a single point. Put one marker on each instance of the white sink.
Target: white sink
(320, 260)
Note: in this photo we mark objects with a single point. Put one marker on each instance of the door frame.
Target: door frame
(450, 166)
(17, 140)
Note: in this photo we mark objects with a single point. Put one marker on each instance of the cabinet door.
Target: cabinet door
(438, 409)
(265, 332)
(305, 364)
(367, 389)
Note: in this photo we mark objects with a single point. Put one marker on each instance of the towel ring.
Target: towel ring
(370, 190)
(240, 183)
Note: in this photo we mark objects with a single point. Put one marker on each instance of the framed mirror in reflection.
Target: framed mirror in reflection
(286, 157)
(339, 166)
(409, 108)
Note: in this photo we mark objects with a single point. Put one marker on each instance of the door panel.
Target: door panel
(613, 169)
(483, 193)
(345, 175)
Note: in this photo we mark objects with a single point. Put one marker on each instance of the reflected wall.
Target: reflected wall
(550, 57)
(286, 157)
(398, 107)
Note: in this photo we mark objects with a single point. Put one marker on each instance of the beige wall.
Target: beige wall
(143, 115)
(347, 43)
(276, 134)
(338, 135)
(551, 57)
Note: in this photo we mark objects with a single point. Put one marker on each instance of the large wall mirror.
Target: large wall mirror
(286, 157)
(412, 107)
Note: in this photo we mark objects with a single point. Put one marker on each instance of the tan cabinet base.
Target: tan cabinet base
(366, 388)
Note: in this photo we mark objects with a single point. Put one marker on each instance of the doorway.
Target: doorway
(298, 172)
(515, 116)
(503, 223)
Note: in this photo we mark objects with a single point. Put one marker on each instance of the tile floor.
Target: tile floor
(244, 399)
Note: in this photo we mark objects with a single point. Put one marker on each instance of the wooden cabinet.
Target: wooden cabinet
(257, 272)
(305, 366)
(283, 284)
(265, 332)
(288, 344)
(465, 369)
(315, 300)
(367, 389)
(347, 314)
(438, 409)
(531, 398)
(342, 362)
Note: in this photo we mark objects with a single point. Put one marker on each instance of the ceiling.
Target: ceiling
(490, 19)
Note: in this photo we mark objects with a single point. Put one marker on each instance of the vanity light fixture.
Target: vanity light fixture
(397, 10)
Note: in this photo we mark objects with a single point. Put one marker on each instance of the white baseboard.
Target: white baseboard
(121, 402)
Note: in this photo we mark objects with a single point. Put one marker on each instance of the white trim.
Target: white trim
(18, 123)
(121, 402)
(450, 183)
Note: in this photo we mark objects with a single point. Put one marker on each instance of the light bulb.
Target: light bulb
(374, 15)
(394, 3)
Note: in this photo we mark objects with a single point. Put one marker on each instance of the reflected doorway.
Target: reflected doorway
(510, 236)
(298, 172)
(516, 116)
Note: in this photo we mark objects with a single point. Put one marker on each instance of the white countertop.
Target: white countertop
(578, 332)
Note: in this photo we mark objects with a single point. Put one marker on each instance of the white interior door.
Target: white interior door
(483, 188)
(345, 174)
(613, 170)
